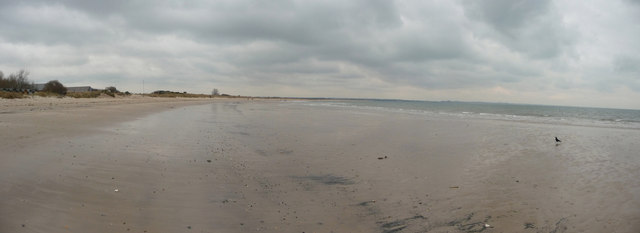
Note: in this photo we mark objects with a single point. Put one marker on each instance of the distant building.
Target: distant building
(79, 89)
(38, 86)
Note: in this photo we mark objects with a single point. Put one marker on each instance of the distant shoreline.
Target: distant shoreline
(37, 103)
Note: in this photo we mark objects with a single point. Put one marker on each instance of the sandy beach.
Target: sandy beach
(231, 165)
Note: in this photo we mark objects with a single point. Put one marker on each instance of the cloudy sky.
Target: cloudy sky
(569, 52)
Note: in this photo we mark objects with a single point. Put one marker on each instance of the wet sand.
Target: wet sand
(272, 166)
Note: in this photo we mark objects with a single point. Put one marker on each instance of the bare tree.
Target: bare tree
(16, 81)
(215, 92)
(21, 80)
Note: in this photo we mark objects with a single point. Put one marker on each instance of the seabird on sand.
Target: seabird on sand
(558, 140)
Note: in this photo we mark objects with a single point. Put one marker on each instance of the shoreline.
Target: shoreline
(52, 103)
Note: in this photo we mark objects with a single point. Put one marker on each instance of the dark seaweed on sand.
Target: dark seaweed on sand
(328, 179)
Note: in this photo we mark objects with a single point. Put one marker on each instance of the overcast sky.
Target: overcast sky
(569, 52)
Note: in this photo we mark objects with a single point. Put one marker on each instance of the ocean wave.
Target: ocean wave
(562, 116)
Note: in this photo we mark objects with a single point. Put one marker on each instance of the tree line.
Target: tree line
(16, 81)
(19, 82)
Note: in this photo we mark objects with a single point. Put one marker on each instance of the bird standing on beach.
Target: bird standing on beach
(558, 140)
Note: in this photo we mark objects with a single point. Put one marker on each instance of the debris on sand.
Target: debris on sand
(529, 225)
(328, 179)
(467, 224)
(399, 225)
(366, 203)
(381, 158)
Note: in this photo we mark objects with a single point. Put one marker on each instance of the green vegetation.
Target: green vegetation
(48, 94)
(56, 87)
(172, 94)
(111, 91)
(12, 95)
(17, 85)
(86, 94)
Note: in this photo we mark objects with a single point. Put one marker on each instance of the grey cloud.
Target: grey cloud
(507, 16)
(634, 1)
(301, 22)
(429, 45)
(627, 64)
(43, 23)
(627, 71)
(533, 28)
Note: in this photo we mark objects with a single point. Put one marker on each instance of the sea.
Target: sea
(565, 115)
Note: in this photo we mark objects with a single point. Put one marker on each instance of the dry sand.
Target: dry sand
(273, 166)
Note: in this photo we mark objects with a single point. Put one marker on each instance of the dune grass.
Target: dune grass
(12, 95)
(86, 94)
(175, 95)
(48, 94)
